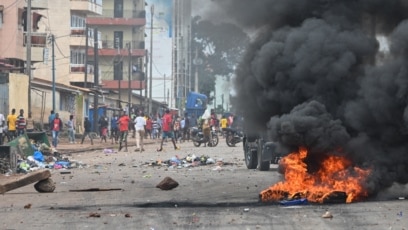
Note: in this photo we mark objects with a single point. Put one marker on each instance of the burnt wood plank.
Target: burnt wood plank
(8, 184)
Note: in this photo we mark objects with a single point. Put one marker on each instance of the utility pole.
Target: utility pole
(151, 60)
(53, 70)
(196, 71)
(145, 104)
(86, 56)
(164, 88)
(96, 81)
(119, 73)
(28, 44)
(129, 75)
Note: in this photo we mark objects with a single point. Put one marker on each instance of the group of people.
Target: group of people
(15, 125)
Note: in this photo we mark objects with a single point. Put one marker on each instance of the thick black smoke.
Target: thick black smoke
(312, 77)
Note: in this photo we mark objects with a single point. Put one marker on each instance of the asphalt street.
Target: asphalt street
(215, 196)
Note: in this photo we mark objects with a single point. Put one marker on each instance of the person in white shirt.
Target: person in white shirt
(2, 124)
(140, 124)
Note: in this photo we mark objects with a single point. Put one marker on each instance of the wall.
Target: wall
(18, 92)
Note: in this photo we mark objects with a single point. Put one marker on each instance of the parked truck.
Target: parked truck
(196, 104)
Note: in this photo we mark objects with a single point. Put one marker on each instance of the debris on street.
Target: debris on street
(17, 181)
(96, 190)
(327, 215)
(167, 184)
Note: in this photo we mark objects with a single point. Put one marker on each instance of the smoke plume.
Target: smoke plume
(314, 76)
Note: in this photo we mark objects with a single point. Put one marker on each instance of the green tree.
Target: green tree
(220, 47)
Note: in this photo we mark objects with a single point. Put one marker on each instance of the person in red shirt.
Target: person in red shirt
(167, 130)
(56, 129)
(123, 124)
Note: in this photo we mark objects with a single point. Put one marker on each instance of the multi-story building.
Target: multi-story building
(121, 55)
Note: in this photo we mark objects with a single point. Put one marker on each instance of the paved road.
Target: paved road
(208, 197)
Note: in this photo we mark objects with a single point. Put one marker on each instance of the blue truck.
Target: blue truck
(196, 104)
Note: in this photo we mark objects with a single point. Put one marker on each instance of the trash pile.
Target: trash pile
(5, 165)
(190, 160)
(44, 157)
(40, 161)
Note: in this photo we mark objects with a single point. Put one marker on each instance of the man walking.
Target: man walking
(140, 124)
(87, 130)
(167, 130)
(56, 128)
(114, 128)
(123, 123)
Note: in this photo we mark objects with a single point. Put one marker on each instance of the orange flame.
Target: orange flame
(335, 174)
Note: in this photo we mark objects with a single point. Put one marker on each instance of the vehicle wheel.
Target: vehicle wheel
(262, 165)
(250, 157)
(229, 139)
(214, 141)
(196, 143)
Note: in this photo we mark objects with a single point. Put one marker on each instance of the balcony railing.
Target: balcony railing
(37, 39)
(80, 68)
(110, 44)
(97, 2)
(124, 14)
(78, 31)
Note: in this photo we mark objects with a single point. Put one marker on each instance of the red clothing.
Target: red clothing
(167, 120)
(124, 123)
(57, 124)
(149, 124)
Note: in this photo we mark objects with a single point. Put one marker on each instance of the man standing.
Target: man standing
(2, 123)
(123, 123)
(56, 128)
(30, 123)
(11, 124)
(71, 129)
(87, 130)
(140, 124)
(21, 123)
(167, 130)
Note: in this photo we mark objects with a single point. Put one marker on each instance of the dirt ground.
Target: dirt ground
(215, 196)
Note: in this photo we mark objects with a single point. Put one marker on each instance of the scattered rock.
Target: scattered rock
(45, 186)
(27, 206)
(167, 184)
(127, 215)
(94, 214)
(327, 215)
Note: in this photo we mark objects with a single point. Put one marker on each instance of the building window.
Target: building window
(67, 101)
(77, 56)
(118, 70)
(118, 9)
(78, 21)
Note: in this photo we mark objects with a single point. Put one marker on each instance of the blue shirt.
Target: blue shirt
(114, 124)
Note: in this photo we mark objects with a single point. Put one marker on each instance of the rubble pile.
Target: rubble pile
(191, 160)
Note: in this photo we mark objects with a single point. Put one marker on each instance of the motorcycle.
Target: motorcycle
(197, 136)
(233, 136)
